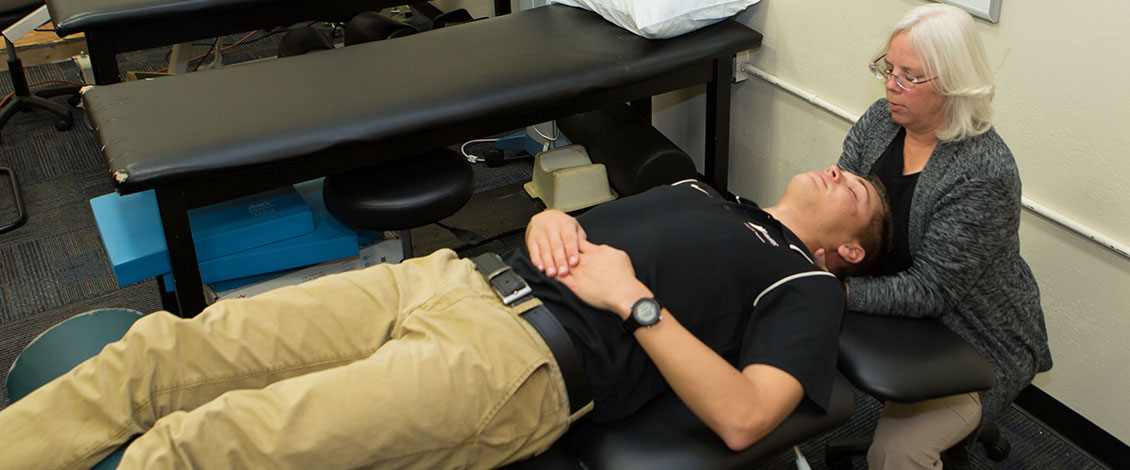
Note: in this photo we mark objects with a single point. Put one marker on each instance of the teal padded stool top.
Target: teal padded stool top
(64, 346)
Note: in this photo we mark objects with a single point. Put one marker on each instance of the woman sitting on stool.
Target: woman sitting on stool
(955, 199)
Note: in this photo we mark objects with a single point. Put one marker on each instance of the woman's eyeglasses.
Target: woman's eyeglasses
(882, 71)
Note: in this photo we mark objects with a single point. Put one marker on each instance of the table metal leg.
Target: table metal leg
(179, 57)
(718, 126)
(182, 252)
(501, 7)
(643, 107)
(103, 59)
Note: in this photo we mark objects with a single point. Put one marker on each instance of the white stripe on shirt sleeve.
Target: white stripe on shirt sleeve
(787, 279)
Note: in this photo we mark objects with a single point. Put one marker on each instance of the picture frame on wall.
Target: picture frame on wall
(987, 9)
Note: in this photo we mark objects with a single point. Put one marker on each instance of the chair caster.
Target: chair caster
(997, 451)
(64, 125)
(838, 454)
(996, 446)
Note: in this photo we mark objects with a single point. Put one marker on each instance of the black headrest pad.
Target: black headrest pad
(909, 359)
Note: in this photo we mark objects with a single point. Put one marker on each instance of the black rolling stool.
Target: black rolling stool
(11, 12)
(402, 194)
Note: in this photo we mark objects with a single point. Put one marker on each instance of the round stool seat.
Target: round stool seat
(401, 194)
(64, 346)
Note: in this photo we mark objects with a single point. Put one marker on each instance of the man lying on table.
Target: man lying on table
(424, 365)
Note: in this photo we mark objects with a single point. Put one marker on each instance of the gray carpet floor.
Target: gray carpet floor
(54, 266)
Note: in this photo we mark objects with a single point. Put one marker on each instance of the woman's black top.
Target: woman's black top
(900, 192)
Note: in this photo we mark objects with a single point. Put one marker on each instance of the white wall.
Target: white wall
(1062, 78)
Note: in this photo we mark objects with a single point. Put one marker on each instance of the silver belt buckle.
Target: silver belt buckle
(497, 282)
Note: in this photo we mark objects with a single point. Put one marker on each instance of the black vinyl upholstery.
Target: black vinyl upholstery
(909, 359)
(211, 136)
(906, 360)
(666, 435)
(330, 103)
(12, 11)
(77, 16)
(401, 194)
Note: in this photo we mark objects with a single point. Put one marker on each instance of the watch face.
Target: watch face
(646, 313)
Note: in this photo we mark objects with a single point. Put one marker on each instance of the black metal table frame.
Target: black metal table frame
(174, 201)
(107, 39)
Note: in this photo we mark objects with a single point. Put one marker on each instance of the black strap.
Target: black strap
(513, 290)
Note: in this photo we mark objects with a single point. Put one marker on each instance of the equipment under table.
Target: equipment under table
(112, 27)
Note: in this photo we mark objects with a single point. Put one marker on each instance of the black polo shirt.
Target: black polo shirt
(736, 278)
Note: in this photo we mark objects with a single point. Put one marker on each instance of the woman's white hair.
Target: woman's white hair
(950, 49)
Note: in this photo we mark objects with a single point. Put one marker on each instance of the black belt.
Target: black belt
(513, 290)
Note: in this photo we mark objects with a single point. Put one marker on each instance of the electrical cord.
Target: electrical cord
(473, 158)
(549, 140)
(212, 48)
(266, 34)
(556, 132)
(203, 57)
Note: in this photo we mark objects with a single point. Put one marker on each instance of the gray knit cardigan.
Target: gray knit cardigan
(966, 268)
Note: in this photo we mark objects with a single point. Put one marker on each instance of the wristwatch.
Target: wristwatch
(645, 312)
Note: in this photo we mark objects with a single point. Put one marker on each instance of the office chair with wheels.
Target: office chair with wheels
(22, 99)
(21, 216)
(908, 360)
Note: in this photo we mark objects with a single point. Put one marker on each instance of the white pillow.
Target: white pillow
(661, 19)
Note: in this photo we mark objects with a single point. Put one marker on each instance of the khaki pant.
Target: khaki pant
(913, 436)
(416, 365)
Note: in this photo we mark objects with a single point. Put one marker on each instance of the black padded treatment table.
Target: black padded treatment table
(205, 137)
(112, 27)
(665, 434)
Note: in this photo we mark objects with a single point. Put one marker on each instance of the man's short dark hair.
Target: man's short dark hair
(877, 237)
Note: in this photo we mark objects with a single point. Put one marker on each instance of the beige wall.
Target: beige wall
(1061, 70)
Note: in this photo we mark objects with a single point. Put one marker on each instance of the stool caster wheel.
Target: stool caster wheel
(64, 125)
(997, 451)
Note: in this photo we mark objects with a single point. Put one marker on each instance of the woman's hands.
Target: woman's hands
(553, 239)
